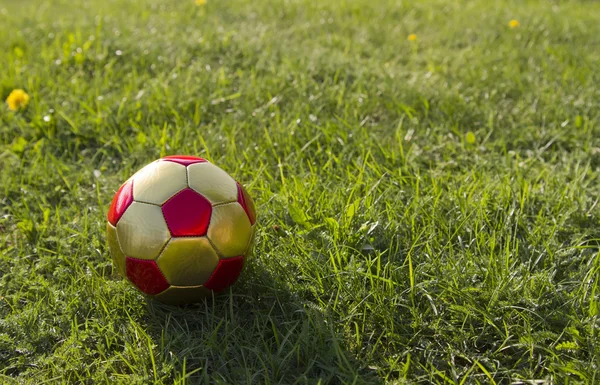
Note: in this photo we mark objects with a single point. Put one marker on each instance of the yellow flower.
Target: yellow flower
(200, 2)
(17, 99)
(513, 23)
(412, 37)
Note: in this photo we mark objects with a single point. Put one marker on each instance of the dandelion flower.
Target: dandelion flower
(200, 2)
(470, 137)
(412, 37)
(513, 23)
(17, 100)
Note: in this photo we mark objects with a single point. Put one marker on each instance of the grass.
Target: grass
(427, 209)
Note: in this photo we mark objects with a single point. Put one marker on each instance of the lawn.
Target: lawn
(428, 207)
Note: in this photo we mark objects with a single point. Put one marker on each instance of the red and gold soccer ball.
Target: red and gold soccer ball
(180, 228)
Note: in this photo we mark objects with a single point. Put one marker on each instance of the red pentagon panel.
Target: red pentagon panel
(226, 273)
(146, 275)
(187, 213)
(185, 160)
(120, 202)
(247, 203)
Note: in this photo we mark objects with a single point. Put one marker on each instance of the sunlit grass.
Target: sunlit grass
(427, 207)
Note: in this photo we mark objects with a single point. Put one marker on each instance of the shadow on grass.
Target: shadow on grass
(255, 333)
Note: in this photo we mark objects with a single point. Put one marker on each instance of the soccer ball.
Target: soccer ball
(180, 228)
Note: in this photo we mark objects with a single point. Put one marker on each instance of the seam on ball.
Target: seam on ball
(215, 248)
(163, 248)
(146, 203)
(224, 203)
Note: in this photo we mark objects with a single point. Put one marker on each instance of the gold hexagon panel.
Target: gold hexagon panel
(212, 182)
(250, 248)
(229, 230)
(116, 254)
(188, 261)
(159, 181)
(180, 295)
(142, 231)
